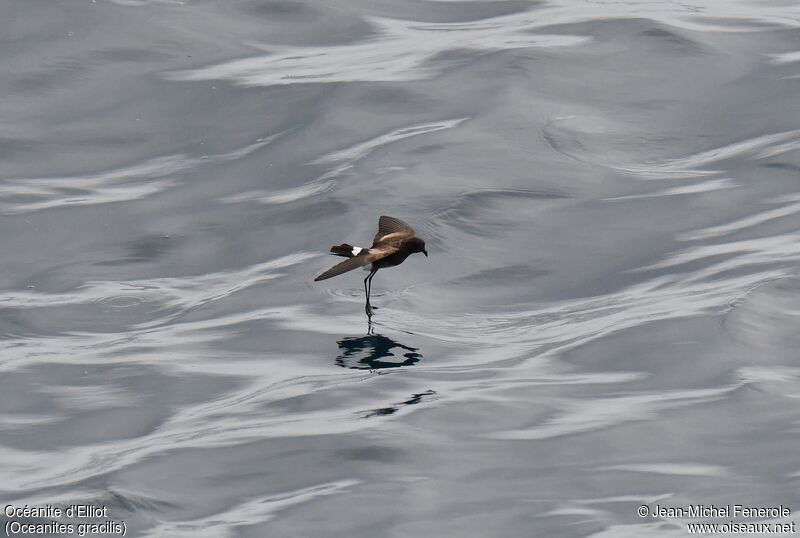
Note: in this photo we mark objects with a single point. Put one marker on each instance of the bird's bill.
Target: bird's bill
(425, 252)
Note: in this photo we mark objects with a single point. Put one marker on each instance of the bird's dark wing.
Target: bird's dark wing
(365, 257)
(391, 225)
(348, 265)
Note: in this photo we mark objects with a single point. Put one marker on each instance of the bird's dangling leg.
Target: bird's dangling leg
(367, 289)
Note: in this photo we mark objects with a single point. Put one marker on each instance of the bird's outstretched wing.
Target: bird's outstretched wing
(348, 265)
(365, 257)
(390, 225)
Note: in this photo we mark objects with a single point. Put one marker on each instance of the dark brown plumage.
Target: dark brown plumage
(394, 242)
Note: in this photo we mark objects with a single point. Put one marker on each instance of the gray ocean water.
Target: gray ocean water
(609, 316)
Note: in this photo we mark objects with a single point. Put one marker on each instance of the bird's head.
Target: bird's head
(418, 245)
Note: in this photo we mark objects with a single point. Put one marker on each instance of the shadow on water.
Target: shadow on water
(392, 409)
(375, 351)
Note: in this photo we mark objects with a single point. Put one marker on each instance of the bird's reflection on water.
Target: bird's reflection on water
(392, 409)
(375, 351)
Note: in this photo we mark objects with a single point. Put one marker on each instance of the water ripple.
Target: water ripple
(246, 419)
(174, 292)
(767, 319)
(283, 196)
(599, 141)
(694, 188)
(359, 151)
(785, 58)
(578, 416)
(250, 512)
(783, 250)
(128, 183)
(788, 210)
(397, 51)
(674, 469)
(341, 161)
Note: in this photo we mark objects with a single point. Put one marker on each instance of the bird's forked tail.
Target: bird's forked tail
(345, 250)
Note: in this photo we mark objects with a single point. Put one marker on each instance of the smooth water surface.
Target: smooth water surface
(609, 316)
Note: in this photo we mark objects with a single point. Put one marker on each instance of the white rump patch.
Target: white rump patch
(356, 250)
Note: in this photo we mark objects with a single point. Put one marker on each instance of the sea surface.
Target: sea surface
(609, 317)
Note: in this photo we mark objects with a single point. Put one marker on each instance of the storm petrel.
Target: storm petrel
(394, 242)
